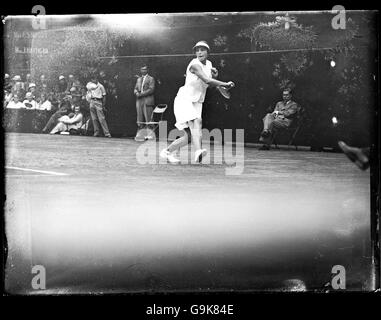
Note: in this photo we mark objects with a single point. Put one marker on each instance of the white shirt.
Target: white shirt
(74, 122)
(33, 103)
(45, 105)
(194, 88)
(8, 97)
(14, 105)
(96, 90)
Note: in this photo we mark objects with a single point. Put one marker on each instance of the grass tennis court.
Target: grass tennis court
(98, 221)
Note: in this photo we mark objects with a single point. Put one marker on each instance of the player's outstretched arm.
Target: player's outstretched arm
(196, 69)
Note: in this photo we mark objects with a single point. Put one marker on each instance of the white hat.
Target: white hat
(16, 78)
(201, 44)
(91, 86)
(61, 77)
(6, 76)
(31, 85)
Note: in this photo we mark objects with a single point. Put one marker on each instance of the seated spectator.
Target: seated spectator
(84, 95)
(29, 101)
(70, 82)
(67, 123)
(42, 86)
(44, 103)
(15, 103)
(52, 97)
(32, 89)
(7, 97)
(77, 84)
(18, 86)
(62, 85)
(7, 82)
(64, 108)
(282, 117)
(28, 81)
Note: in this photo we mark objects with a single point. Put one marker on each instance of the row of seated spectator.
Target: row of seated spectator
(29, 102)
(67, 103)
(40, 95)
(15, 86)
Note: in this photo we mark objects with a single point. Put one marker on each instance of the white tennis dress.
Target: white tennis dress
(189, 99)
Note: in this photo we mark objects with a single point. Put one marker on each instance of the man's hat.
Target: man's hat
(61, 77)
(201, 44)
(17, 78)
(6, 76)
(31, 85)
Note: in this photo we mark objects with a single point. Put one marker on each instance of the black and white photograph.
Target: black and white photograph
(191, 152)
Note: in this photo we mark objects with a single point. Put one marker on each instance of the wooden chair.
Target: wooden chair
(156, 118)
(291, 131)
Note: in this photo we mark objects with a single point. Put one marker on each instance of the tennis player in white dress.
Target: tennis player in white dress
(200, 75)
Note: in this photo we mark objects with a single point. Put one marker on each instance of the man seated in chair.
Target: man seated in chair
(282, 117)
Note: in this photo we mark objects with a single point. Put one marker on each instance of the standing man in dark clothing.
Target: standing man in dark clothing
(145, 101)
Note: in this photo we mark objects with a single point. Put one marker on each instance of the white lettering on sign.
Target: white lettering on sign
(26, 50)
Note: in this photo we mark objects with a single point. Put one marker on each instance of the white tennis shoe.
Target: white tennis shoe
(169, 156)
(199, 154)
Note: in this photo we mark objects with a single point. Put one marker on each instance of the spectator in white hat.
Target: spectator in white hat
(62, 84)
(74, 82)
(33, 91)
(18, 86)
(29, 101)
(7, 97)
(7, 82)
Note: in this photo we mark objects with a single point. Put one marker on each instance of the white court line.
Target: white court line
(39, 171)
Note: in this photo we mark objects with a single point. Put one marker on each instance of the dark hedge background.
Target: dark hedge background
(347, 91)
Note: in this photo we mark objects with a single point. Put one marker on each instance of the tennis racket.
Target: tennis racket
(225, 91)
